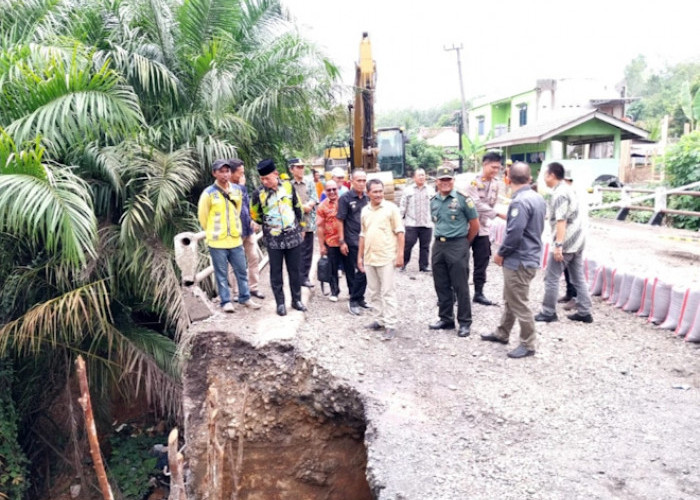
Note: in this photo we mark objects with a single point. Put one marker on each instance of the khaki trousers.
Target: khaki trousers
(382, 295)
(251, 256)
(516, 288)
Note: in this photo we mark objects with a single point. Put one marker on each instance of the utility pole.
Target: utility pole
(465, 121)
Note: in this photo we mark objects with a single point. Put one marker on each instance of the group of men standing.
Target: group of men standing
(371, 237)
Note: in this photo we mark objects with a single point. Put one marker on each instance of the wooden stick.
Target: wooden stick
(84, 401)
(175, 462)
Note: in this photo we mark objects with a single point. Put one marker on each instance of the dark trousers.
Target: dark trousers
(451, 277)
(334, 258)
(570, 288)
(292, 257)
(413, 234)
(481, 250)
(307, 254)
(357, 281)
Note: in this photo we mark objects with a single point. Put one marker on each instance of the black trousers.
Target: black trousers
(334, 258)
(292, 257)
(307, 254)
(570, 288)
(451, 278)
(481, 250)
(413, 234)
(357, 281)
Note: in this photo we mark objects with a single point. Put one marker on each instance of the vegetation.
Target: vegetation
(683, 168)
(672, 91)
(111, 113)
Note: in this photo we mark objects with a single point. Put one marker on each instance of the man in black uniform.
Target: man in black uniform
(350, 207)
(456, 225)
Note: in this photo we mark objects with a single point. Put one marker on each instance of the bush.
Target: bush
(682, 168)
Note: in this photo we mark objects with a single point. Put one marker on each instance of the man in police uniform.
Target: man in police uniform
(484, 191)
(456, 225)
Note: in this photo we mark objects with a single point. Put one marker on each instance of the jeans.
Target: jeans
(220, 259)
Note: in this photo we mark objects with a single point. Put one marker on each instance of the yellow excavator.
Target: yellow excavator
(381, 152)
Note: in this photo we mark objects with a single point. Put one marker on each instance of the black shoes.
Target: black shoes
(584, 318)
(299, 305)
(490, 337)
(480, 298)
(464, 331)
(425, 269)
(354, 308)
(374, 325)
(363, 304)
(547, 318)
(256, 294)
(442, 325)
(281, 310)
(307, 284)
(564, 298)
(520, 352)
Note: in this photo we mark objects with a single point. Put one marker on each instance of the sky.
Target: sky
(506, 44)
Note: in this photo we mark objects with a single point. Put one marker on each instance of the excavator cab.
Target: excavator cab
(391, 156)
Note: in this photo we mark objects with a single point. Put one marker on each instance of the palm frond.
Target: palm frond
(54, 211)
(64, 320)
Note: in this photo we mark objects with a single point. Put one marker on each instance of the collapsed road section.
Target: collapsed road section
(263, 422)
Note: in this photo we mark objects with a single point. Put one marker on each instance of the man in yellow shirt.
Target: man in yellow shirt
(219, 214)
(380, 253)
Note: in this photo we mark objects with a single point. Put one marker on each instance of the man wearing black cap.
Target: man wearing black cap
(219, 211)
(276, 207)
(306, 192)
(456, 225)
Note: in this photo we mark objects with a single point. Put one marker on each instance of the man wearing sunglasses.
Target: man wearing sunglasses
(328, 233)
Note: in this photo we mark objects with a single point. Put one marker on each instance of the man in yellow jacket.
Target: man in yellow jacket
(219, 214)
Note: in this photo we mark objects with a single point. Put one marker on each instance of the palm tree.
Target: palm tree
(110, 114)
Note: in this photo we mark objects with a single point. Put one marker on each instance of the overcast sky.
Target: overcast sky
(507, 44)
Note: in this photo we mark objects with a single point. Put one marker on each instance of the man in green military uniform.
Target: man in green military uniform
(456, 225)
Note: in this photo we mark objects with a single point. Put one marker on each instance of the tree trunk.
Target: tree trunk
(84, 401)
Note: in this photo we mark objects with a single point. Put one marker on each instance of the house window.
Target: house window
(480, 124)
(522, 121)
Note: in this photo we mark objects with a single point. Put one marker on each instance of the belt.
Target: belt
(443, 239)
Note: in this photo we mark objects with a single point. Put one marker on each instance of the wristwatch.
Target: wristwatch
(558, 245)
(341, 242)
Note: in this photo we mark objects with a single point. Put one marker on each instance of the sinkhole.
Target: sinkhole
(265, 423)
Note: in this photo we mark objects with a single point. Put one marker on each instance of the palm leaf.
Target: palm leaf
(54, 212)
(64, 320)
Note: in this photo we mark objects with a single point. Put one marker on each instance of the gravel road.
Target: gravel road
(604, 410)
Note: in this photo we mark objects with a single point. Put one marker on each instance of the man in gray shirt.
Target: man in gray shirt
(520, 256)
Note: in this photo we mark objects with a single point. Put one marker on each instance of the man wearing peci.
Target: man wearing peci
(276, 207)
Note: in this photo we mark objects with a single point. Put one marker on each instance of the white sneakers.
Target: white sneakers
(333, 298)
(251, 305)
(228, 307)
